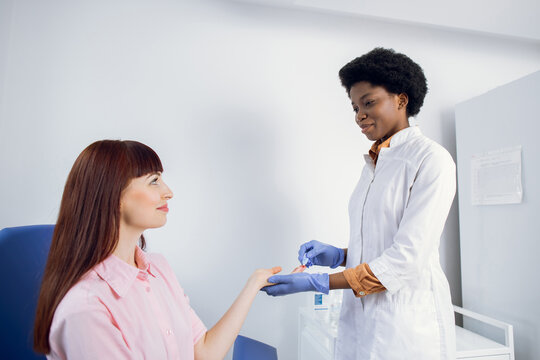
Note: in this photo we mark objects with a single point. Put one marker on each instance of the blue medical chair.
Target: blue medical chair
(249, 349)
(23, 254)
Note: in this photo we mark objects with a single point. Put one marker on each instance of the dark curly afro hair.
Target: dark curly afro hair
(396, 72)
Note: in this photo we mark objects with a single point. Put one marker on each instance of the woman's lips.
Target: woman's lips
(163, 208)
(365, 127)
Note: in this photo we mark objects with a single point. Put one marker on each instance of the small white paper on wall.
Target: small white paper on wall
(496, 177)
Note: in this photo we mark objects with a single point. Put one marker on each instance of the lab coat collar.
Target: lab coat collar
(119, 275)
(369, 162)
(398, 138)
(404, 135)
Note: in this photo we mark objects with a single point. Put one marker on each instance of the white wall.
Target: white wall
(244, 106)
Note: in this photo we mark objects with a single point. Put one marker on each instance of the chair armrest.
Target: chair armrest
(508, 329)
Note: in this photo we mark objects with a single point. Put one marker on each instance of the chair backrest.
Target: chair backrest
(249, 349)
(23, 254)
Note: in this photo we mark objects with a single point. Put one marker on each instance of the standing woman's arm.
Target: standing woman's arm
(219, 339)
(422, 224)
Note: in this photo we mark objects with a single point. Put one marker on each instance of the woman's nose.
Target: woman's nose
(168, 194)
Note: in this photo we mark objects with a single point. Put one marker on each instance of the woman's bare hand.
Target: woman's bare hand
(259, 278)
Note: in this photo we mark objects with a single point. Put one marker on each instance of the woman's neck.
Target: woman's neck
(395, 131)
(128, 239)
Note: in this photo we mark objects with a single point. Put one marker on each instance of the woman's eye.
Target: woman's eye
(369, 103)
(154, 180)
(355, 110)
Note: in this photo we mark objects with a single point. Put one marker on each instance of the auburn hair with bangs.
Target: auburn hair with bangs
(87, 229)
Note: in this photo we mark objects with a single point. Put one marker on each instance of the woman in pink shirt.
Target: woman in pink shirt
(102, 296)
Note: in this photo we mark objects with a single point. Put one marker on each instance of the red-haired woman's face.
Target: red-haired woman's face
(143, 204)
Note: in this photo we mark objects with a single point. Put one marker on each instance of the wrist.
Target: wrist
(340, 258)
(320, 283)
(254, 283)
(252, 287)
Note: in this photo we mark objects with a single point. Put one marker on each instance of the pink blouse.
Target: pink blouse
(117, 311)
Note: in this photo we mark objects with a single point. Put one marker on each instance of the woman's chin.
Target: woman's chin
(157, 224)
(371, 137)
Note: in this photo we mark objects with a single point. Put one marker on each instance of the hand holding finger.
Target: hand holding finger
(272, 271)
(260, 276)
(305, 247)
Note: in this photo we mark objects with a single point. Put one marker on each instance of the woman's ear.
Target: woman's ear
(403, 100)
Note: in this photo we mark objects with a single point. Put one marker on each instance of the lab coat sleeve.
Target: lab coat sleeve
(419, 232)
(362, 280)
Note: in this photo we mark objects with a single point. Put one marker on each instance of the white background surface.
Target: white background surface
(501, 17)
(244, 106)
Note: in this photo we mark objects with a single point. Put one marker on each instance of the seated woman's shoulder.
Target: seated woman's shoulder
(81, 298)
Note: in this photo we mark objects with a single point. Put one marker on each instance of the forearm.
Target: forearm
(338, 281)
(218, 340)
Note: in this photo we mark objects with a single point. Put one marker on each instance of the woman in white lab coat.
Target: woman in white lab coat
(400, 305)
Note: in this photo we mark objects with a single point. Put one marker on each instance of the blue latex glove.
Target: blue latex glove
(299, 282)
(321, 254)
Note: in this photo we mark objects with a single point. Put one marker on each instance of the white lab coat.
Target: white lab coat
(397, 214)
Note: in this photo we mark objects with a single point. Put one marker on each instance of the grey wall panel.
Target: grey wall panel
(500, 244)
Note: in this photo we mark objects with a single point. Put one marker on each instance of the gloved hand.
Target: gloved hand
(298, 282)
(321, 254)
